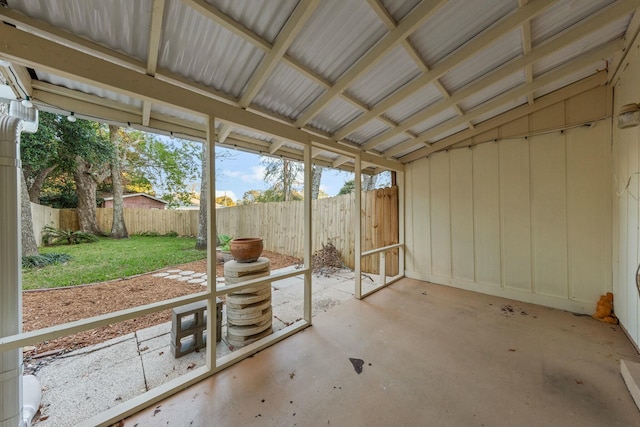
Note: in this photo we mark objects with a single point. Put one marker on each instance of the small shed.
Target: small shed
(137, 200)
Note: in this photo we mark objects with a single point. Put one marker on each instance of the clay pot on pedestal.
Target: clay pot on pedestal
(246, 249)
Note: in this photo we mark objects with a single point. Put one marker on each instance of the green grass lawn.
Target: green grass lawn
(111, 259)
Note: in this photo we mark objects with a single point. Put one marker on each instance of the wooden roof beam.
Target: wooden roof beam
(524, 89)
(457, 57)
(287, 35)
(408, 25)
(565, 39)
(155, 32)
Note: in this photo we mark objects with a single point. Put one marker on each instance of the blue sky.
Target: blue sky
(243, 172)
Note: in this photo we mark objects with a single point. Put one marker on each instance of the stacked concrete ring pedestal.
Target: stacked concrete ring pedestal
(249, 315)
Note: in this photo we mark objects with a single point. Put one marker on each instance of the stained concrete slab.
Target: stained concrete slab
(160, 366)
(137, 362)
(85, 382)
(431, 355)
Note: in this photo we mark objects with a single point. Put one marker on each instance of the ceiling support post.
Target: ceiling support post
(10, 266)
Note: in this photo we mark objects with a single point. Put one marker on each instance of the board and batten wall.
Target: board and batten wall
(626, 205)
(525, 216)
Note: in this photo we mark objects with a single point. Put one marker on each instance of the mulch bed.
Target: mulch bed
(44, 308)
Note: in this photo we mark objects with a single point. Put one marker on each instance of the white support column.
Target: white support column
(212, 314)
(401, 201)
(357, 223)
(308, 223)
(10, 270)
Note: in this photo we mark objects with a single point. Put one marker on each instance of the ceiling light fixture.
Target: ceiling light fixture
(71, 117)
(27, 102)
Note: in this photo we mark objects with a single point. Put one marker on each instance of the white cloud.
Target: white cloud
(228, 193)
(254, 175)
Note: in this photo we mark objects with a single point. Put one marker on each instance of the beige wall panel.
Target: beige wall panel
(549, 214)
(421, 216)
(440, 215)
(515, 202)
(518, 127)
(549, 118)
(632, 196)
(589, 212)
(462, 256)
(589, 105)
(486, 202)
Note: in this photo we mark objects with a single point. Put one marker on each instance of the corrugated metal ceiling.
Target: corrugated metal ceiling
(225, 48)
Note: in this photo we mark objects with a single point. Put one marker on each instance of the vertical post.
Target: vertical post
(401, 197)
(383, 268)
(357, 223)
(308, 223)
(10, 270)
(212, 315)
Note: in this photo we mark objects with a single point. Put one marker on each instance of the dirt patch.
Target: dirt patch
(51, 307)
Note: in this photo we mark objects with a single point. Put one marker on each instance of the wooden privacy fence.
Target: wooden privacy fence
(280, 224)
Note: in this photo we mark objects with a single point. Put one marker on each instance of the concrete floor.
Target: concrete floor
(431, 355)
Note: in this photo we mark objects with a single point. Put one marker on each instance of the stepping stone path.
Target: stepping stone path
(186, 276)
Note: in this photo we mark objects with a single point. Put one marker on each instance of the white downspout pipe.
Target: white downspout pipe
(11, 367)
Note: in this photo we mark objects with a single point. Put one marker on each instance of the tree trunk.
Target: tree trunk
(286, 180)
(201, 238)
(369, 182)
(118, 227)
(29, 245)
(315, 181)
(86, 191)
(36, 186)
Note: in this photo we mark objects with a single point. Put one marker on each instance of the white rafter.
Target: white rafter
(558, 73)
(563, 40)
(470, 48)
(155, 32)
(408, 25)
(390, 23)
(525, 33)
(287, 35)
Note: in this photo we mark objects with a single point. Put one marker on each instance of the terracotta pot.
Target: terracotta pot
(246, 249)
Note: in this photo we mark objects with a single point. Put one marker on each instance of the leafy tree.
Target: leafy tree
(348, 187)
(167, 165)
(252, 196)
(225, 201)
(283, 174)
(38, 152)
(85, 152)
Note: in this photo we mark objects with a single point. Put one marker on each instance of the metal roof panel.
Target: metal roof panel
(337, 114)
(287, 92)
(336, 35)
(414, 103)
(493, 90)
(195, 47)
(399, 8)
(385, 77)
(120, 24)
(562, 15)
(368, 131)
(265, 18)
(484, 61)
(85, 88)
(434, 121)
(455, 24)
(593, 40)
